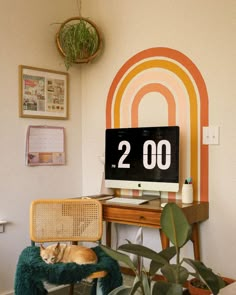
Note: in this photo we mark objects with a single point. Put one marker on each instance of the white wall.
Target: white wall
(205, 32)
(28, 38)
(202, 30)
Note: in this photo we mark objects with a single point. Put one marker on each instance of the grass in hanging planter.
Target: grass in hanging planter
(78, 41)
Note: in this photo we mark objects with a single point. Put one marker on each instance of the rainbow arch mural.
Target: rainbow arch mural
(172, 75)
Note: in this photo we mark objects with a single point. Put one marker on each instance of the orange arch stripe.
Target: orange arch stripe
(197, 77)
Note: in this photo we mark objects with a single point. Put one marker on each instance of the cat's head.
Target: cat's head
(49, 254)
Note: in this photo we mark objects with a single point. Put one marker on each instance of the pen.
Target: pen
(188, 180)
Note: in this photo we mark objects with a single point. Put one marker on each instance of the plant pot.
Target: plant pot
(194, 286)
(78, 40)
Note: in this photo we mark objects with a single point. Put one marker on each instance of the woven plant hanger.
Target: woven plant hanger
(83, 58)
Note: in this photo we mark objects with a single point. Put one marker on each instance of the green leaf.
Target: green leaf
(122, 290)
(175, 225)
(175, 273)
(143, 251)
(137, 284)
(206, 275)
(165, 288)
(167, 254)
(119, 257)
(146, 284)
(141, 283)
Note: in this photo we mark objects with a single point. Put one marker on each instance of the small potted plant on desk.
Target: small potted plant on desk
(176, 227)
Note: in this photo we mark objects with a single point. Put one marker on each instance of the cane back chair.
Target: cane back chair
(67, 220)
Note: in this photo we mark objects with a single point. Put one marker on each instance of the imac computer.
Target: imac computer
(142, 158)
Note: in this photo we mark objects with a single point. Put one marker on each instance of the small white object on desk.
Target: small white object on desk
(187, 193)
(129, 201)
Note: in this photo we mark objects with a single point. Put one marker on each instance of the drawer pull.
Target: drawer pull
(142, 217)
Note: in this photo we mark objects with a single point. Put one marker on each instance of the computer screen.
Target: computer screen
(142, 158)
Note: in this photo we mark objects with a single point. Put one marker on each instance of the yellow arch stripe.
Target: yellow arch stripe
(165, 64)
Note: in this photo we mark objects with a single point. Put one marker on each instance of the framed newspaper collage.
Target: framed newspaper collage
(43, 93)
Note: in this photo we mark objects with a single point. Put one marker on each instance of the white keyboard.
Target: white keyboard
(130, 201)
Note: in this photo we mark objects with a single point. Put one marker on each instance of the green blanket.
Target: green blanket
(32, 271)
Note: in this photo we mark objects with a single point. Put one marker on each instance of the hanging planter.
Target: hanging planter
(78, 40)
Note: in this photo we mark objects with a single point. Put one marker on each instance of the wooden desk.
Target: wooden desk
(149, 215)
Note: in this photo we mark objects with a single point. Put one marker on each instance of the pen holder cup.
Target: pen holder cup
(187, 193)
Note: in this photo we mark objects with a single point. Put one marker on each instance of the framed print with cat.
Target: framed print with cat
(43, 93)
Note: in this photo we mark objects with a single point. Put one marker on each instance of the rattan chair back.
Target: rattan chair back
(65, 220)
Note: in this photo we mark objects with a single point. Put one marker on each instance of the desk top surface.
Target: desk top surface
(195, 212)
(152, 204)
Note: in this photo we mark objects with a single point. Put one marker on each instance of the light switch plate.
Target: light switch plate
(211, 135)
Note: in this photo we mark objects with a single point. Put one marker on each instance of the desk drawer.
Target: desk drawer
(129, 216)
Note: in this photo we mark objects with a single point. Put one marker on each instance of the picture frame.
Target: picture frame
(45, 145)
(43, 93)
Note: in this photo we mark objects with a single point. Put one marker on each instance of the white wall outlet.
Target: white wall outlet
(211, 135)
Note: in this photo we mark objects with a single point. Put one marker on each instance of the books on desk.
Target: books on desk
(98, 197)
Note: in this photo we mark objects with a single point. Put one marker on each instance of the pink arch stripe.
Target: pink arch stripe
(155, 87)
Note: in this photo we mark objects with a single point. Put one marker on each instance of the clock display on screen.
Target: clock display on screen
(145, 154)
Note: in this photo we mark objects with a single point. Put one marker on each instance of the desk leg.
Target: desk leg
(164, 240)
(196, 241)
(108, 234)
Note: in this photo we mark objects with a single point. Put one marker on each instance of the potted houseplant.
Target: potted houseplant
(78, 40)
(176, 227)
(197, 287)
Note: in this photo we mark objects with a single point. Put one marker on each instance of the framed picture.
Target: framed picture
(45, 145)
(43, 93)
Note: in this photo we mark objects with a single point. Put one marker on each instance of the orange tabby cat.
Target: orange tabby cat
(67, 253)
